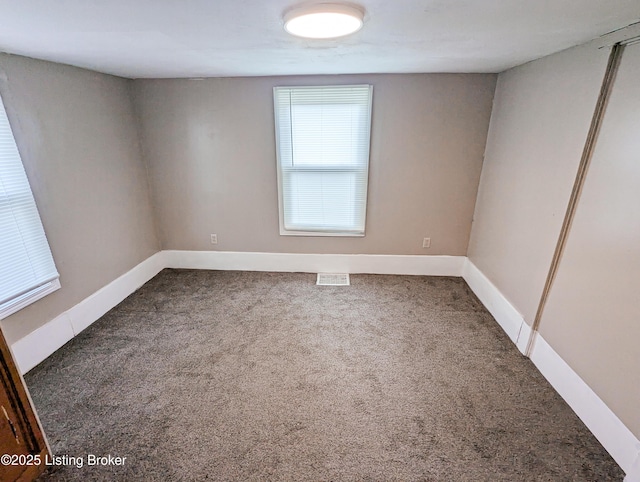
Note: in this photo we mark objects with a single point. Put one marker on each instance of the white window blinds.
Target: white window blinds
(322, 141)
(27, 270)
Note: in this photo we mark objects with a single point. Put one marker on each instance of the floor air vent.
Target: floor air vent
(333, 279)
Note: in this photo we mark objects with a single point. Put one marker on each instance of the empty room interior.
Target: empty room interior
(285, 240)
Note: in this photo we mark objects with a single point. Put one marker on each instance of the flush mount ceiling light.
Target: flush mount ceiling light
(323, 21)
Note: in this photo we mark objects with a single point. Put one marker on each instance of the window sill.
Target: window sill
(284, 232)
(26, 299)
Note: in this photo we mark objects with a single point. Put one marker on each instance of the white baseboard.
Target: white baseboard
(94, 306)
(39, 344)
(614, 436)
(633, 474)
(623, 446)
(314, 263)
(511, 321)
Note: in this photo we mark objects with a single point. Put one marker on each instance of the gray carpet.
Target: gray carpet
(204, 375)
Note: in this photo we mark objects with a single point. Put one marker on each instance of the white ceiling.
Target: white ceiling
(216, 38)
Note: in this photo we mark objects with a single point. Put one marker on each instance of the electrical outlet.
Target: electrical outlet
(426, 243)
(214, 239)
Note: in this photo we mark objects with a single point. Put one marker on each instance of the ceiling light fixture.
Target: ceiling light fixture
(323, 21)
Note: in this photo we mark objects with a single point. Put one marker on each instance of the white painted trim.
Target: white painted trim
(617, 439)
(39, 344)
(11, 307)
(314, 263)
(614, 436)
(511, 321)
(93, 307)
(633, 474)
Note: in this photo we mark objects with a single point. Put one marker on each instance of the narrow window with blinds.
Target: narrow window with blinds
(322, 143)
(27, 270)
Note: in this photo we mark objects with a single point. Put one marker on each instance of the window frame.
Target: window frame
(31, 296)
(280, 175)
(44, 286)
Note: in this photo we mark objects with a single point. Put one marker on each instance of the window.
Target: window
(27, 270)
(322, 143)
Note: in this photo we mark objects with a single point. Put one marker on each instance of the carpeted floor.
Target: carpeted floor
(205, 375)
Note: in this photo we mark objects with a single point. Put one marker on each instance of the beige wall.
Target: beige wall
(592, 317)
(540, 120)
(541, 115)
(211, 154)
(210, 149)
(76, 133)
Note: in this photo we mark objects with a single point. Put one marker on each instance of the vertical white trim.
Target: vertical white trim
(511, 321)
(614, 436)
(524, 334)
